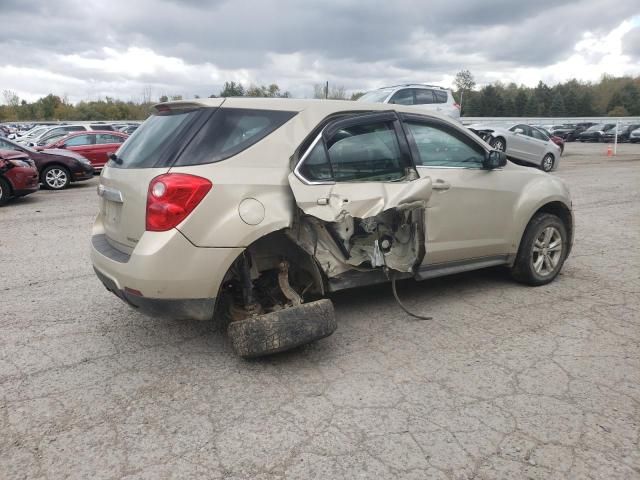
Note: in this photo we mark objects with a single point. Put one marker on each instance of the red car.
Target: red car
(18, 175)
(96, 145)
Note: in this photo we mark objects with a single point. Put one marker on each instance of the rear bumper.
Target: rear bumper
(165, 274)
(192, 309)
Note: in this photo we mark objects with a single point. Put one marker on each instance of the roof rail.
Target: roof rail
(417, 85)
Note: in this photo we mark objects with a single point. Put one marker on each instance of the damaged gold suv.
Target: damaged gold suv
(253, 210)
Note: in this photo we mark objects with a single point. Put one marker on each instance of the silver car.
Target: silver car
(427, 97)
(522, 143)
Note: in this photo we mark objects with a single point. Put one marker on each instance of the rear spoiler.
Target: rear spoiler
(188, 104)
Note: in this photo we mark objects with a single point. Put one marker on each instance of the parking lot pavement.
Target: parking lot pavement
(507, 381)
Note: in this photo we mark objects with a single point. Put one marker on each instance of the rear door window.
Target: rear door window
(441, 96)
(424, 96)
(80, 140)
(107, 138)
(403, 97)
(538, 135)
(366, 150)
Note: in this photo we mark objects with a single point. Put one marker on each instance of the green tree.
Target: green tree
(585, 105)
(520, 102)
(618, 111)
(472, 106)
(557, 108)
(543, 95)
(532, 107)
(571, 103)
(232, 89)
(464, 83)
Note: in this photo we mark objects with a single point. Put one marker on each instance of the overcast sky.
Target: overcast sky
(92, 49)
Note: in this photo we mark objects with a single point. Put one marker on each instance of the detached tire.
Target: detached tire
(542, 251)
(282, 330)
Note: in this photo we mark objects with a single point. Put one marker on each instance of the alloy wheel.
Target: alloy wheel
(499, 145)
(56, 178)
(547, 251)
(547, 163)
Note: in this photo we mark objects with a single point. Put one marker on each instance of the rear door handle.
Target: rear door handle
(440, 185)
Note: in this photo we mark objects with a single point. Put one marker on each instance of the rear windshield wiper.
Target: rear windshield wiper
(115, 158)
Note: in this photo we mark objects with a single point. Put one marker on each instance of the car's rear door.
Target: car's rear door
(105, 145)
(539, 144)
(356, 169)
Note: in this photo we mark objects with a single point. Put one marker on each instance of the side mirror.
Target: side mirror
(518, 130)
(494, 159)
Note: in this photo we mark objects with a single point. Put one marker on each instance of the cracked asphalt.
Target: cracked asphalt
(507, 381)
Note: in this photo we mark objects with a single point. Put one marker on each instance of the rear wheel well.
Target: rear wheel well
(261, 262)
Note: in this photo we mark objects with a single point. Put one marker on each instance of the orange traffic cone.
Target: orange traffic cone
(609, 151)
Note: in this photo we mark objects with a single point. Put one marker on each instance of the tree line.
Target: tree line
(613, 96)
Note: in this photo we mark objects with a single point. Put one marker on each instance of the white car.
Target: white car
(522, 143)
(428, 97)
(51, 133)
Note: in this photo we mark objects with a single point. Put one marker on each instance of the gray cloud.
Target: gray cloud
(355, 44)
(631, 43)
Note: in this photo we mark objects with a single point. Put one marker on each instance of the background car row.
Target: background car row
(55, 161)
(596, 132)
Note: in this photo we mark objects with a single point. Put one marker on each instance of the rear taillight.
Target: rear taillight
(172, 197)
(457, 105)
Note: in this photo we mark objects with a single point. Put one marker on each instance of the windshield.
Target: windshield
(595, 128)
(376, 96)
(35, 131)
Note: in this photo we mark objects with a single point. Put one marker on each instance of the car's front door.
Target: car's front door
(84, 145)
(358, 181)
(519, 144)
(471, 208)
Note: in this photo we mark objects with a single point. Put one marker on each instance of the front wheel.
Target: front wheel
(547, 162)
(542, 251)
(55, 177)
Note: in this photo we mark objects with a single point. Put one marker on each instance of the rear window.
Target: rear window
(196, 137)
(154, 143)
